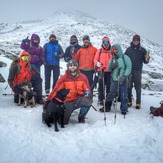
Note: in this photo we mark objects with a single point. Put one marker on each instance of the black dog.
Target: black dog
(54, 110)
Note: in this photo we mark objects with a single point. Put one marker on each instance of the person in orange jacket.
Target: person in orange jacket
(85, 57)
(101, 61)
(23, 71)
(77, 98)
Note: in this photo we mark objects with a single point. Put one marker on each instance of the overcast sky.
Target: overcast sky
(145, 17)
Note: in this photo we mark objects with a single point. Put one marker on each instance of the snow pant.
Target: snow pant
(107, 82)
(37, 87)
(135, 81)
(82, 102)
(89, 75)
(114, 91)
(56, 73)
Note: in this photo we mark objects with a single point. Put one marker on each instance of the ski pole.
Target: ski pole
(103, 83)
(6, 94)
(94, 108)
(6, 87)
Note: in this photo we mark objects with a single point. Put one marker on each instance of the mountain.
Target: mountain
(65, 23)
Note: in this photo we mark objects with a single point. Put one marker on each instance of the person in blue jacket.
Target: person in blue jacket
(53, 53)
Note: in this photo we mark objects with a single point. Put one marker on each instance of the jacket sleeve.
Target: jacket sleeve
(128, 65)
(66, 55)
(12, 74)
(96, 58)
(144, 52)
(61, 55)
(77, 55)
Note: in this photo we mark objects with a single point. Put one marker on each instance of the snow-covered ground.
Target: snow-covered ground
(25, 139)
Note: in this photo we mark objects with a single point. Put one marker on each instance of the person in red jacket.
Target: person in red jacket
(78, 84)
(101, 61)
(23, 71)
(85, 56)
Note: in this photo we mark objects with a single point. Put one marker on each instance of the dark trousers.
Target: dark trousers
(135, 81)
(56, 73)
(107, 82)
(89, 75)
(114, 91)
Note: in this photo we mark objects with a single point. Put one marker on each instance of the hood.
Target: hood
(22, 54)
(120, 52)
(34, 36)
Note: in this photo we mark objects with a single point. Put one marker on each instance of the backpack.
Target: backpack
(156, 111)
(15, 62)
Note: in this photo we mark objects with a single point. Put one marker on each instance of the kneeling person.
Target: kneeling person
(21, 72)
(77, 83)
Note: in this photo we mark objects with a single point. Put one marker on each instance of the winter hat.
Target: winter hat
(86, 37)
(72, 62)
(106, 43)
(136, 37)
(73, 37)
(52, 35)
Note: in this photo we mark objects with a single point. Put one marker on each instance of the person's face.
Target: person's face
(114, 50)
(52, 39)
(72, 68)
(86, 42)
(136, 41)
(36, 40)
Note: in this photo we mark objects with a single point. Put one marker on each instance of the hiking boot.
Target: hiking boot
(106, 110)
(41, 101)
(123, 112)
(47, 91)
(137, 106)
(81, 119)
(129, 104)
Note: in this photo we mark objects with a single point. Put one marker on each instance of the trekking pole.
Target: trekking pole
(103, 83)
(6, 94)
(116, 99)
(123, 100)
(94, 108)
(6, 87)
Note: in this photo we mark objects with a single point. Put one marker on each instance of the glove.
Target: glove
(122, 79)
(98, 64)
(113, 65)
(26, 40)
(147, 58)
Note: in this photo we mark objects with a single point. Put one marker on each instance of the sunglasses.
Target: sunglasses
(26, 58)
(136, 40)
(105, 42)
(72, 65)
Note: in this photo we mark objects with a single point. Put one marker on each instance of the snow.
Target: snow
(24, 138)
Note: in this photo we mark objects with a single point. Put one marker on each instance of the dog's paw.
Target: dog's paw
(62, 126)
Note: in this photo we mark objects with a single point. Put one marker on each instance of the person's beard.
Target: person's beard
(74, 72)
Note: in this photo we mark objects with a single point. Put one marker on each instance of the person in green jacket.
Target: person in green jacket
(120, 67)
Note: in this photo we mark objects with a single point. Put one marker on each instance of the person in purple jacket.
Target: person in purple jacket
(35, 50)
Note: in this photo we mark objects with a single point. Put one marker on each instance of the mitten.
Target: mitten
(26, 40)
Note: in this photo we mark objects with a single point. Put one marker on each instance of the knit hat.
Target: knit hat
(86, 37)
(72, 62)
(52, 35)
(136, 37)
(73, 36)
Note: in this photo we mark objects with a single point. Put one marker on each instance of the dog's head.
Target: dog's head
(27, 86)
(62, 94)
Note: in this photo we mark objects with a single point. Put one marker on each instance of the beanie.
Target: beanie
(73, 36)
(86, 37)
(136, 37)
(72, 62)
(52, 35)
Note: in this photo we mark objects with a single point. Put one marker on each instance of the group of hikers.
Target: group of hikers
(117, 72)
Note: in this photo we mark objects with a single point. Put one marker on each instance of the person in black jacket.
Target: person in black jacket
(72, 49)
(138, 56)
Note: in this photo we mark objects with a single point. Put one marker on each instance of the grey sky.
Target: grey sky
(142, 16)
